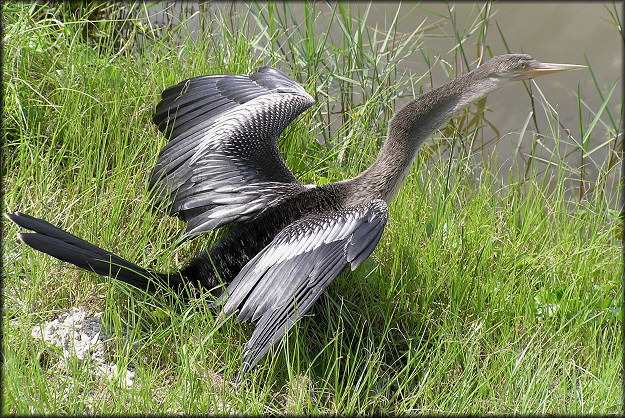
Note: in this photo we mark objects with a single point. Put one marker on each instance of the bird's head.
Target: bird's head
(501, 71)
(516, 67)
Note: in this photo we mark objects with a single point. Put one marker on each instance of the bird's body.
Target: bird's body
(223, 261)
(288, 241)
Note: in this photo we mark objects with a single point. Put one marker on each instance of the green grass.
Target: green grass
(485, 294)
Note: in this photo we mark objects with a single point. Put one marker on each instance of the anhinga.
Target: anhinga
(288, 240)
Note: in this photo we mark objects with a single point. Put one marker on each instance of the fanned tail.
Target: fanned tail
(66, 247)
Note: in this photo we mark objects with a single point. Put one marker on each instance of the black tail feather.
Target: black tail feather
(66, 247)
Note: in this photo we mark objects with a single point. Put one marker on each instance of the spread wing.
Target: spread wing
(280, 284)
(222, 162)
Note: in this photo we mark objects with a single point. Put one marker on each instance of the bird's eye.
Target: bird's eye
(522, 65)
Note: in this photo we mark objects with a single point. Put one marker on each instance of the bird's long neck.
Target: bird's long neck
(410, 127)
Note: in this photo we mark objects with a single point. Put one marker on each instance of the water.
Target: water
(550, 32)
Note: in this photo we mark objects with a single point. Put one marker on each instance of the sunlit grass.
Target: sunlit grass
(486, 294)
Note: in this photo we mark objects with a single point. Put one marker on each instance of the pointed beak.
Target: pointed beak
(540, 68)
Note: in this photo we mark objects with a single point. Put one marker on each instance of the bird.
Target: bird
(287, 241)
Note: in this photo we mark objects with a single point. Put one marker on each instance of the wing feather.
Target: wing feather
(222, 162)
(280, 283)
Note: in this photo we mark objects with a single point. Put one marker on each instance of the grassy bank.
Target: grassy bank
(486, 294)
